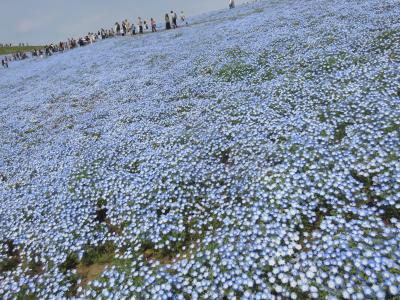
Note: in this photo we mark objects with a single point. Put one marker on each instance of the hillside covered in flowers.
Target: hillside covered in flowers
(253, 154)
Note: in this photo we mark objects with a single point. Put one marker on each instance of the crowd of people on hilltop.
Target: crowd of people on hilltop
(124, 29)
(142, 25)
(171, 20)
(13, 57)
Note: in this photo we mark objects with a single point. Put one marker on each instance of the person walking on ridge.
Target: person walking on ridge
(167, 22)
(140, 24)
(133, 29)
(123, 31)
(117, 28)
(128, 27)
(183, 18)
(153, 25)
(4, 63)
(174, 18)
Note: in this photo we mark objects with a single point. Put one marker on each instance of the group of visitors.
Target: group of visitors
(4, 62)
(71, 43)
(13, 57)
(142, 26)
(171, 20)
(19, 56)
(124, 28)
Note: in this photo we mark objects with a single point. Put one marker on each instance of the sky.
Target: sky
(39, 22)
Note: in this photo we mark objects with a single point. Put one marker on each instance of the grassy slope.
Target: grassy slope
(14, 49)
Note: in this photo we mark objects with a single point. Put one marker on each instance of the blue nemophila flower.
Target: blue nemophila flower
(262, 169)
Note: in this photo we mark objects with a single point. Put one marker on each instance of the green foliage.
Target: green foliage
(212, 246)
(98, 254)
(11, 248)
(330, 40)
(146, 245)
(366, 181)
(330, 63)
(236, 53)
(387, 40)
(352, 244)
(101, 202)
(9, 264)
(340, 132)
(394, 271)
(294, 148)
(350, 216)
(225, 156)
(24, 294)
(184, 109)
(302, 295)
(389, 212)
(133, 167)
(101, 215)
(395, 58)
(263, 59)
(268, 75)
(393, 127)
(322, 118)
(138, 280)
(12, 260)
(70, 262)
(35, 268)
(73, 285)
(235, 71)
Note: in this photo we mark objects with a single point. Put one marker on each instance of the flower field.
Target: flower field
(251, 155)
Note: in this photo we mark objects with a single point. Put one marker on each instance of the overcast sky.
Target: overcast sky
(45, 21)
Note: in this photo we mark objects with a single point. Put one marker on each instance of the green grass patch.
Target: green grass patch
(9, 264)
(235, 53)
(24, 294)
(392, 128)
(72, 281)
(367, 183)
(340, 132)
(184, 109)
(133, 167)
(394, 271)
(13, 258)
(235, 71)
(387, 40)
(294, 148)
(98, 254)
(389, 212)
(15, 49)
(70, 263)
(330, 40)
(268, 75)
